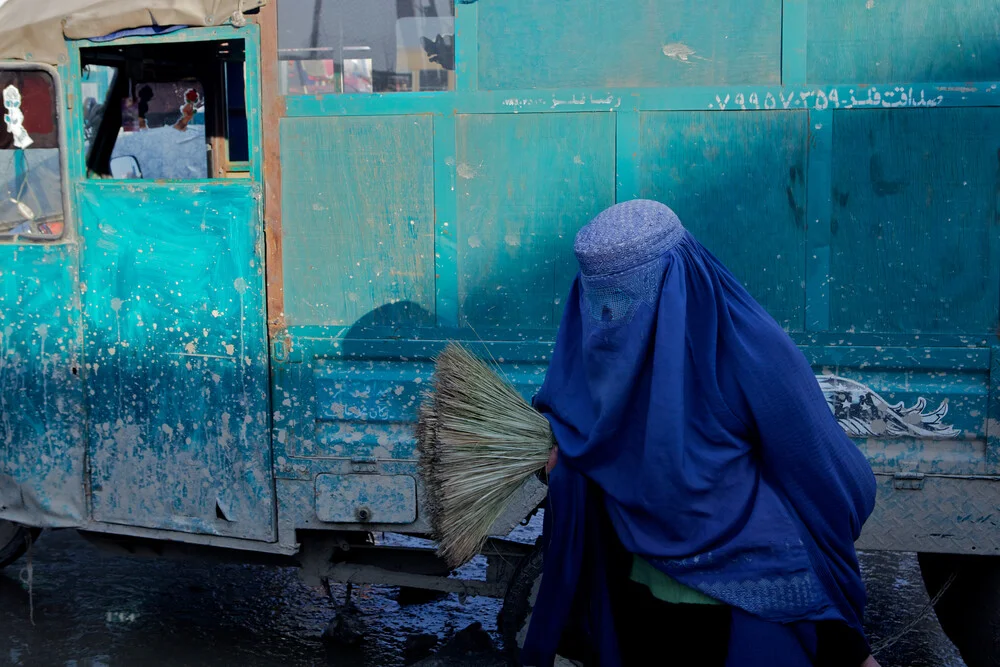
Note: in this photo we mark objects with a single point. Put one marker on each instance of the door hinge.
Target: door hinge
(908, 481)
(364, 466)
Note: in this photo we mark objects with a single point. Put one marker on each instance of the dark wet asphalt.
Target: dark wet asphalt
(94, 609)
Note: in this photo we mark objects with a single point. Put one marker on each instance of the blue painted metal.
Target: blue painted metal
(41, 392)
(364, 411)
(818, 220)
(570, 43)
(897, 40)
(73, 123)
(363, 404)
(526, 184)
(366, 498)
(341, 410)
(446, 222)
(628, 166)
(702, 164)
(358, 220)
(176, 357)
(20, 171)
(915, 245)
(794, 39)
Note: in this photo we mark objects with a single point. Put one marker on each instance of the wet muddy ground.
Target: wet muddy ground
(94, 609)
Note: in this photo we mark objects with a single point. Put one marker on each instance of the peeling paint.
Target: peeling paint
(680, 52)
(466, 171)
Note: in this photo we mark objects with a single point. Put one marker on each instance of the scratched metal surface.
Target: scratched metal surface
(914, 241)
(666, 43)
(525, 187)
(346, 415)
(691, 160)
(357, 217)
(95, 609)
(894, 40)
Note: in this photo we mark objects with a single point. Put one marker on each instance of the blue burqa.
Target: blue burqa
(690, 425)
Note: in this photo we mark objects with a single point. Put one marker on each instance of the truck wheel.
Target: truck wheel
(515, 614)
(969, 611)
(14, 541)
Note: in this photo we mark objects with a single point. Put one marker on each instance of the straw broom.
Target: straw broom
(479, 442)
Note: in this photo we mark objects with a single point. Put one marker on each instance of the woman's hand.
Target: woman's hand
(554, 457)
(870, 662)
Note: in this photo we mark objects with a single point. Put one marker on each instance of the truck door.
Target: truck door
(41, 393)
(174, 308)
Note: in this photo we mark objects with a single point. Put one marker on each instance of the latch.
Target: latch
(908, 481)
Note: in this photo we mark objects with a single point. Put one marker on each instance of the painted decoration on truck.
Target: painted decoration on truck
(862, 413)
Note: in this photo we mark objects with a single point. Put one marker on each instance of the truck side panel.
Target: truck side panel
(840, 158)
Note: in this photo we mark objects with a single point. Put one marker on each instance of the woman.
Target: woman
(704, 503)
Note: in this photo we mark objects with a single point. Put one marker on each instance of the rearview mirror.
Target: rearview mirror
(125, 166)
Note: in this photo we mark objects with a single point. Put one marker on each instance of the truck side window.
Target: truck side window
(366, 46)
(162, 134)
(166, 111)
(31, 203)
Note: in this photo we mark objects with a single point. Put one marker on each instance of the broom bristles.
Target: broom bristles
(479, 442)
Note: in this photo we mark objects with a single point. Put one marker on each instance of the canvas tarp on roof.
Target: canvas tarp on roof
(36, 29)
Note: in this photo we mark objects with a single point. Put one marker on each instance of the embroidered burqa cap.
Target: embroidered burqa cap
(625, 236)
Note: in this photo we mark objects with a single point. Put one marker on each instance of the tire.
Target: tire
(515, 614)
(14, 541)
(969, 611)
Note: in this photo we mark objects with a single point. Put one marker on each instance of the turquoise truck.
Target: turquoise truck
(236, 233)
